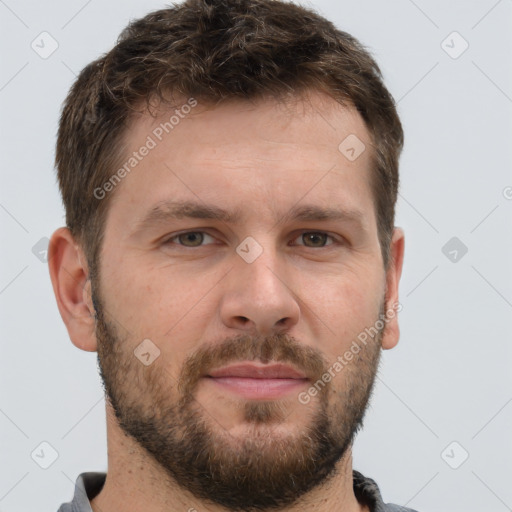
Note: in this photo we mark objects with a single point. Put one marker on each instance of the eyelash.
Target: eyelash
(335, 241)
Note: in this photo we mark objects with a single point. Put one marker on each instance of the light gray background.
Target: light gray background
(448, 379)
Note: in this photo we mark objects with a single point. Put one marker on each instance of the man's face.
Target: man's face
(231, 296)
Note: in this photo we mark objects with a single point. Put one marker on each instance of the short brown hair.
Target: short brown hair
(216, 50)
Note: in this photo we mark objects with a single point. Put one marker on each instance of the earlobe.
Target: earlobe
(72, 288)
(394, 272)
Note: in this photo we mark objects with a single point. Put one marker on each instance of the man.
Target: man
(229, 172)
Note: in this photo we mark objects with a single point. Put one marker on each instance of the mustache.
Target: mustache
(277, 347)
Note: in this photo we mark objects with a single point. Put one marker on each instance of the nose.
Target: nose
(259, 296)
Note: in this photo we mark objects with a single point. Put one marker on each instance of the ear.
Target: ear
(391, 333)
(72, 288)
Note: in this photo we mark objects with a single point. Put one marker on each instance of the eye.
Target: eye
(189, 238)
(317, 238)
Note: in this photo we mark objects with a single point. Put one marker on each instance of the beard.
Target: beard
(272, 464)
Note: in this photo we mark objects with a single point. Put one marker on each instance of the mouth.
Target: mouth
(253, 381)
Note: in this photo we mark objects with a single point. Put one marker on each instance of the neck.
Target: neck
(136, 482)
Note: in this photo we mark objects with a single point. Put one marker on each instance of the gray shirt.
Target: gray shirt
(88, 485)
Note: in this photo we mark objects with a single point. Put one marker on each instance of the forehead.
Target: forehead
(266, 154)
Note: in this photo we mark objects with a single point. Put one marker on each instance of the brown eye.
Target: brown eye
(188, 239)
(315, 239)
(195, 238)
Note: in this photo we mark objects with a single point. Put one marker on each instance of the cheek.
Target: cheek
(344, 306)
(163, 304)
(151, 296)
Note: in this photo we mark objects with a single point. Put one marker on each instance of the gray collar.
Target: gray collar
(89, 484)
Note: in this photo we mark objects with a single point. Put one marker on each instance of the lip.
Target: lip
(263, 382)
(253, 371)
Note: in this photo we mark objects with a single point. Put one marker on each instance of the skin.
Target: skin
(263, 158)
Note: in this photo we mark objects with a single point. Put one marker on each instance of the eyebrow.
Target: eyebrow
(166, 211)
